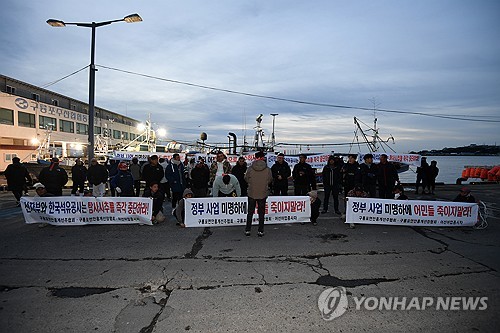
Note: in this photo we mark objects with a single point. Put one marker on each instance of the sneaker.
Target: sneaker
(260, 233)
(247, 233)
(352, 226)
(324, 211)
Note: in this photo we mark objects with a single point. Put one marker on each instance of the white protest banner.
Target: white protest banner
(142, 156)
(317, 161)
(217, 212)
(410, 159)
(411, 212)
(87, 210)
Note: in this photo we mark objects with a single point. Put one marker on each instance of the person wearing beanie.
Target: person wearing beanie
(53, 177)
(315, 205)
(180, 211)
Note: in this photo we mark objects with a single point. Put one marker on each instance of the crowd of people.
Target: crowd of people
(175, 180)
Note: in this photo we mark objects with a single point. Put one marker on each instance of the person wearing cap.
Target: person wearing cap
(180, 211)
(226, 186)
(281, 172)
(78, 176)
(315, 205)
(123, 182)
(97, 175)
(53, 177)
(369, 173)
(331, 182)
(465, 196)
(200, 176)
(17, 175)
(41, 191)
(387, 177)
(258, 177)
(239, 170)
(304, 179)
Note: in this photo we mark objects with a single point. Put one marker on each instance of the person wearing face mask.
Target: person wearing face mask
(399, 193)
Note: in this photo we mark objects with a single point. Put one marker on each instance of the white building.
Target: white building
(29, 113)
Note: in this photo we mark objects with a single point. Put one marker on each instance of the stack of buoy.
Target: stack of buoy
(491, 174)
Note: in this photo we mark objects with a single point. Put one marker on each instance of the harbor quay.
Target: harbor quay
(297, 278)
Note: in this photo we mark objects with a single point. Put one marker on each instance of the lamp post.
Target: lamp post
(57, 23)
(273, 139)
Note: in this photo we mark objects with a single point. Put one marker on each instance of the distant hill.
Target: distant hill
(471, 150)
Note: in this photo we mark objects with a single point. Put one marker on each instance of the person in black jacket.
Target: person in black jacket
(303, 175)
(78, 176)
(152, 172)
(332, 181)
(53, 177)
(200, 176)
(422, 172)
(238, 170)
(351, 173)
(281, 172)
(17, 175)
(97, 175)
(369, 176)
(387, 177)
(153, 191)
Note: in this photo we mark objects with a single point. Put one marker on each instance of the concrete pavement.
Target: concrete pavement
(162, 278)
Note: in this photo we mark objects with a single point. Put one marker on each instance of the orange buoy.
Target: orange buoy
(484, 173)
(467, 172)
(477, 173)
(498, 173)
(494, 170)
(491, 177)
(464, 172)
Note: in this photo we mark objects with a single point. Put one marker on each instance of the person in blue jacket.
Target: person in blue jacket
(174, 172)
(123, 182)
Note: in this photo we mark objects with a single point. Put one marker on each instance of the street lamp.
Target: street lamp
(58, 23)
(273, 139)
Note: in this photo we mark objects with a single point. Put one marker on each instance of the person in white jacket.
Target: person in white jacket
(226, 186)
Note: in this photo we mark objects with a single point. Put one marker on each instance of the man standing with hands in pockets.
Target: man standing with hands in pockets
(258, 177)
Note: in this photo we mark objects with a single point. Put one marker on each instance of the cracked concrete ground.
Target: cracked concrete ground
(165, 279)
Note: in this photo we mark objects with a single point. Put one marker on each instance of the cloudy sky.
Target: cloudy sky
(426, 58)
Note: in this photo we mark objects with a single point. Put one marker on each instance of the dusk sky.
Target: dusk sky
(432, 57)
